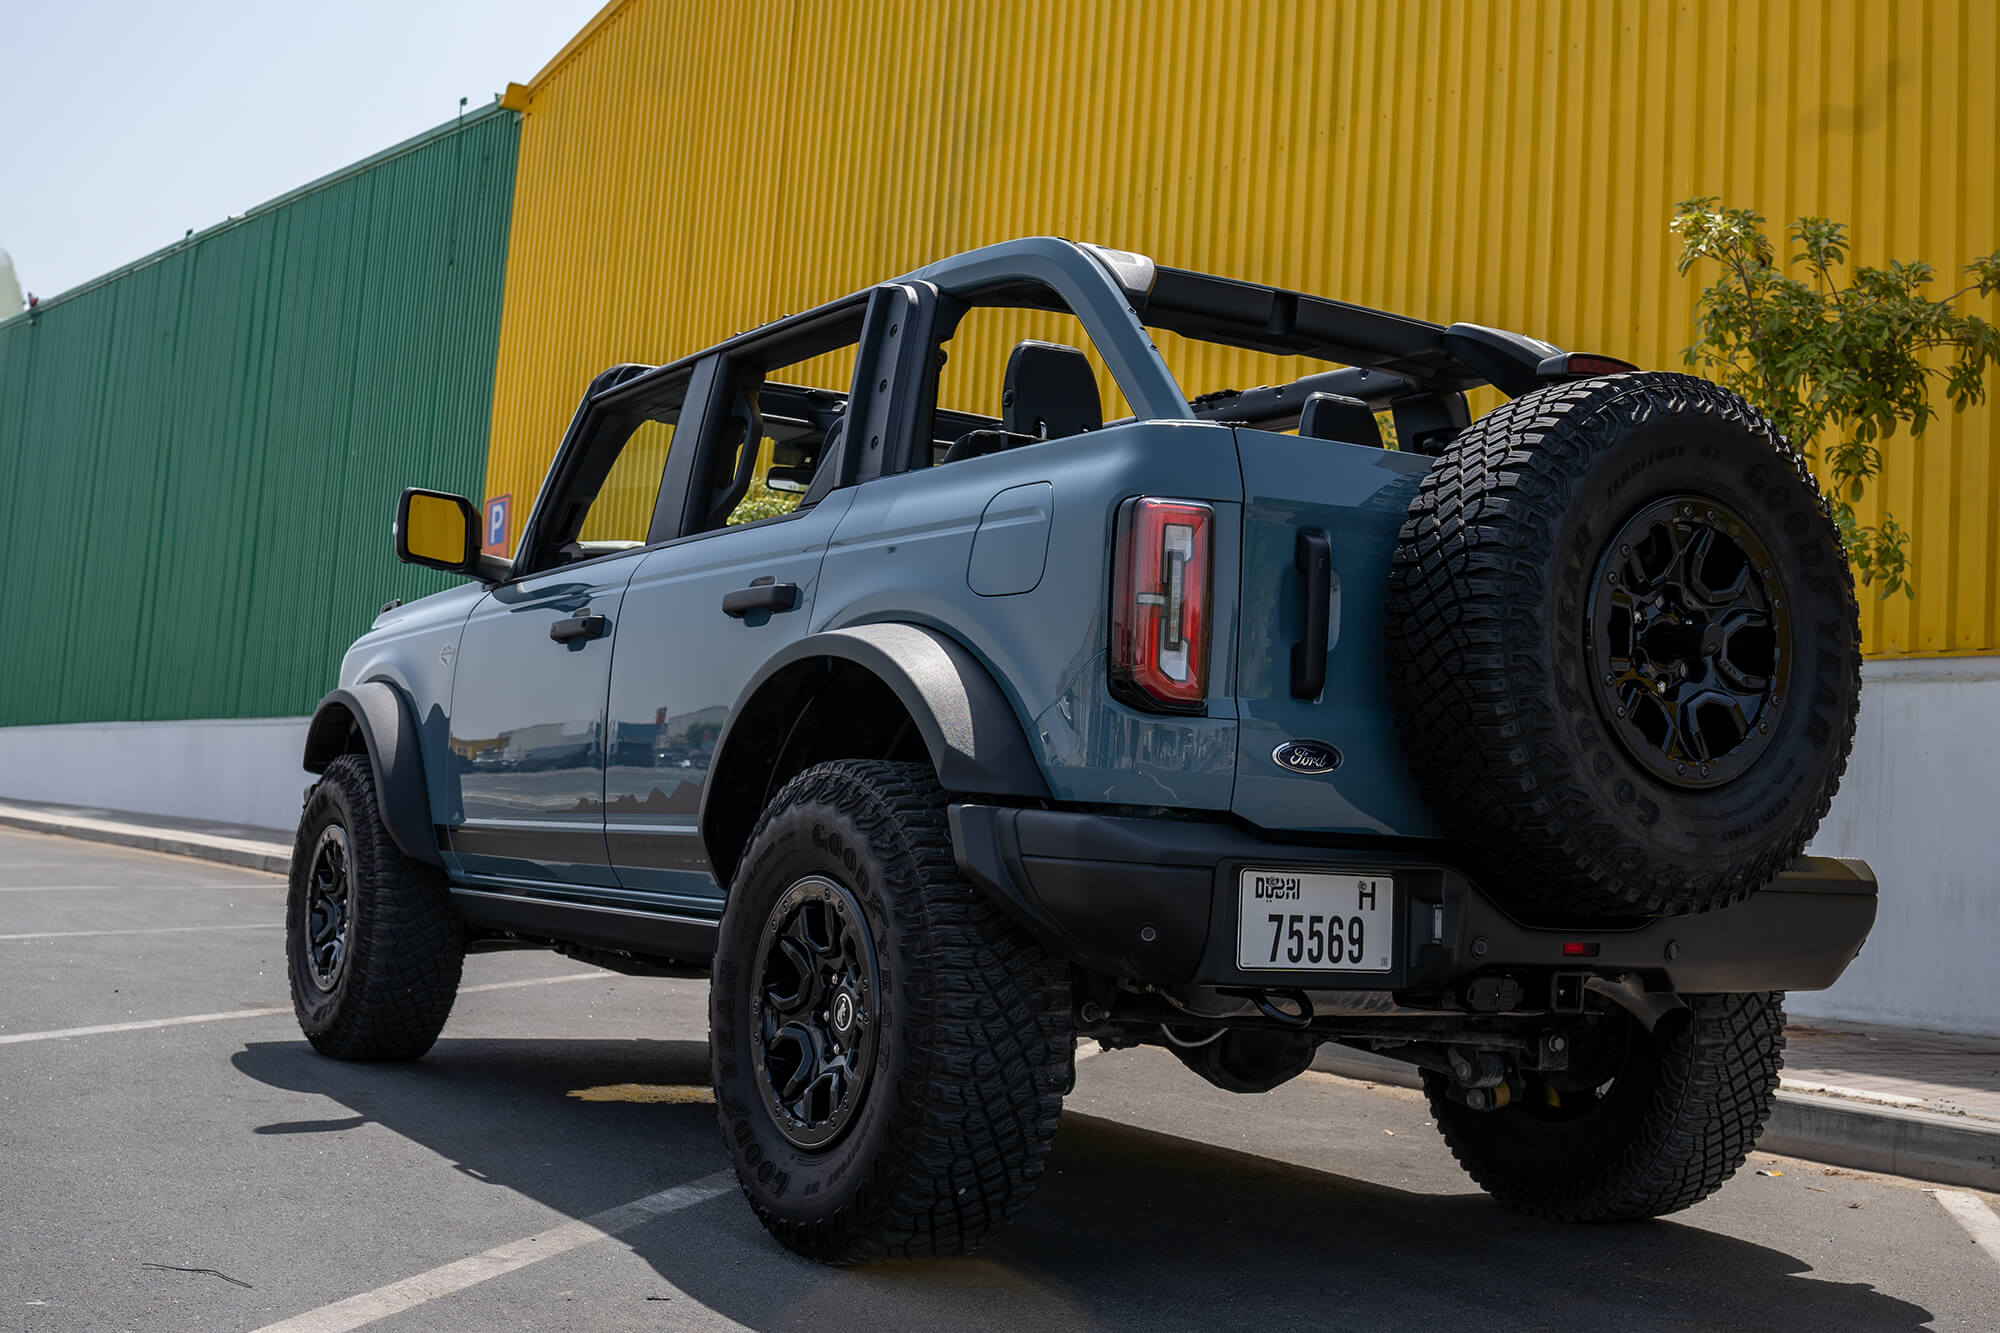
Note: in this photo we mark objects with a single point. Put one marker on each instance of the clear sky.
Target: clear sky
(123, 123)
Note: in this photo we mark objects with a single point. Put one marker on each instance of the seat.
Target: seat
(1335, 416)
(827, 470)
(979, 443)
(1050, 392)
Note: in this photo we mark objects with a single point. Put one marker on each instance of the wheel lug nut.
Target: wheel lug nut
(1680, 768)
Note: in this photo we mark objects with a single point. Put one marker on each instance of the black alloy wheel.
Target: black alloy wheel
(373, 945)
(329, 907)
(1691, 641)
(815, 1011)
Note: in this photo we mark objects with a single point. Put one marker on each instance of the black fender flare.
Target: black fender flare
(976, 742)
(388, 732)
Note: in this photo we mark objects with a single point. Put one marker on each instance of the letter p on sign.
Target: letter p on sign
(497, 510)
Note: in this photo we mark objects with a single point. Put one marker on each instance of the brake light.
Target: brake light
(1159, 604)
(1579, 365)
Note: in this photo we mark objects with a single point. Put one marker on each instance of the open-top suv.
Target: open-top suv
(946, 718)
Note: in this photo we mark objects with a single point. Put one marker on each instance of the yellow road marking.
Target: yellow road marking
(670, 1093)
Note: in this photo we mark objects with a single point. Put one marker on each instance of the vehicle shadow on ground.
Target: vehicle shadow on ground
(1129, 1228)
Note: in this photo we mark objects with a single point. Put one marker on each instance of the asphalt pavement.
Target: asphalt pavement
(173, 1155)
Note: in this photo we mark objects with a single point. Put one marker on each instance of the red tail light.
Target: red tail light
(1578, 365)
(1159, 604)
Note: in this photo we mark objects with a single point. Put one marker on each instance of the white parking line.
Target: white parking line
(445, 1279)
(148, 930)
(141, 888)
(13, 1038)
(1977, 1219)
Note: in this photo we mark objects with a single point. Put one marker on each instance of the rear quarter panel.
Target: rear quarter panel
(904, 552)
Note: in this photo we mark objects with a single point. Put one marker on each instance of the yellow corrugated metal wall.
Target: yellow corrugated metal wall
(690, 169)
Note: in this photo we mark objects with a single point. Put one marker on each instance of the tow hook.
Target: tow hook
(1300, 1018)
(1651, 1008)
(1300, 1015)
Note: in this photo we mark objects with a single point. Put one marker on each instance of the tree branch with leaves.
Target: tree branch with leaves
(1838, 369)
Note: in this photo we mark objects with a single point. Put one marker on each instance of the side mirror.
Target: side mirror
(438, 531)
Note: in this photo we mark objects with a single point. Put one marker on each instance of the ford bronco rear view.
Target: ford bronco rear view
(945, 719)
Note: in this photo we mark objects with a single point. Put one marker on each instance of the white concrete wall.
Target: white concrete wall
(1921, 804)
(239, 771)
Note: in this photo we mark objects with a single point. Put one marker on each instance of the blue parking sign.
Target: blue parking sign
(497, 510)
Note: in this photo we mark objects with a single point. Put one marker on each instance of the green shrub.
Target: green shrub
(1837, 368)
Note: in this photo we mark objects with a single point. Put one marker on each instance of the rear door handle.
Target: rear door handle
(760, 597)
(579, 627)
(1314, 557)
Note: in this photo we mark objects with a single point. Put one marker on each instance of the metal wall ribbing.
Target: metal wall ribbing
(202, 452)
(1510, 162)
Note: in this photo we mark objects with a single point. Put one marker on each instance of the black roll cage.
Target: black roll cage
(1417, 370)
(1413, 368)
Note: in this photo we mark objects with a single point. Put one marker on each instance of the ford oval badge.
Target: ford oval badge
(1306, 757)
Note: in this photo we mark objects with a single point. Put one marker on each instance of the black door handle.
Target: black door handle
(1313, 555)
(760, 597)
(579, 627)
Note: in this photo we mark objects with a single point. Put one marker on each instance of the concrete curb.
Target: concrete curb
(275, 858)
(1839, 1130)
(1895, 1140)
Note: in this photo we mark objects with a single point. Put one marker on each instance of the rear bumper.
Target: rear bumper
(1153, 901)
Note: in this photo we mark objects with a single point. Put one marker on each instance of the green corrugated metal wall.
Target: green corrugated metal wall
(201, 453)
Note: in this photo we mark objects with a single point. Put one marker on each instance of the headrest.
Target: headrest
(1335, 416)
(1050, 392)
(979, 443)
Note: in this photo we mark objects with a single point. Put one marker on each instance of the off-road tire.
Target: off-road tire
(405, 942)
(1496, 689)
(974, 1042)
(1673, 1128)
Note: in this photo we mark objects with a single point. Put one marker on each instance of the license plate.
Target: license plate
(1293, 920)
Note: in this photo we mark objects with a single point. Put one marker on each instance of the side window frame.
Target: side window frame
(884, 408)
(603, 424)
(752, 356)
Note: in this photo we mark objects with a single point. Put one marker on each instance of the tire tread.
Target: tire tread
(407, 954)
(985, 1091)
(1718, 1081)
(1471, 566)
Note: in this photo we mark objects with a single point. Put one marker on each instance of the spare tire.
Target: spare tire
(1624, 649)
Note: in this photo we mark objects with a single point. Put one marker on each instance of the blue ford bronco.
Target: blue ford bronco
(943, 723)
